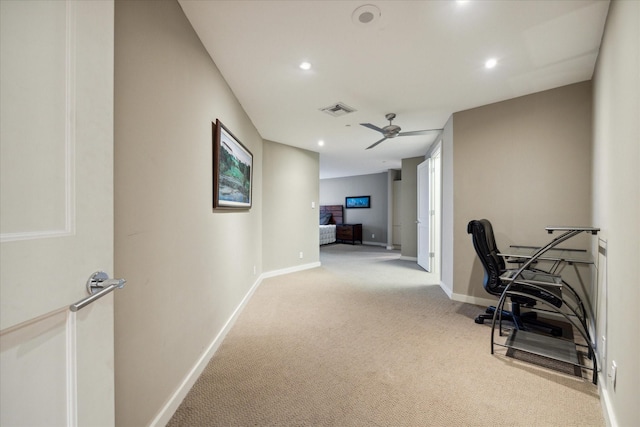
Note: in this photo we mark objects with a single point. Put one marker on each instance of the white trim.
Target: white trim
(446, 290)
(288, 270)
(69, 140)
(605, 401)
(72, 370)
(32, 321)
(70, 121)
(31, 235)
(408, 258)
(383, 244)
(472, 300)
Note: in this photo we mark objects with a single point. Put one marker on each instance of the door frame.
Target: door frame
(423, 214)
(435, 224)
(433, 159)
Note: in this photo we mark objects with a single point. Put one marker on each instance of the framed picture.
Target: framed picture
(232, 170)
(357, 202)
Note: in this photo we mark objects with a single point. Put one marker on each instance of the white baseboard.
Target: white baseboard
(605, 401)
(446, 290)
(408, 258)
(473, 300)
(170, 407)
(365, 242)
(288, 270)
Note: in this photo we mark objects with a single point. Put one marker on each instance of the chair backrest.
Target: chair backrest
(485, 245)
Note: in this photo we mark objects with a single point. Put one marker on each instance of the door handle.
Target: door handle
(98, 286)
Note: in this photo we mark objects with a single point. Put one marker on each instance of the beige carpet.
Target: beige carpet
(365, 340)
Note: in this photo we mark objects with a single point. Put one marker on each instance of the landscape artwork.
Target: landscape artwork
(232, 168)
(357, 202)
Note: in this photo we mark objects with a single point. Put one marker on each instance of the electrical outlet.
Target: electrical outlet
(373, 236)
(301, 255)
(313, 205)
(255, 270)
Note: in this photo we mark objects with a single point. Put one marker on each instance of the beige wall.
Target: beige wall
(523, 164)
(447, 258)
(187, 267)
(616, 205)
(290, 224)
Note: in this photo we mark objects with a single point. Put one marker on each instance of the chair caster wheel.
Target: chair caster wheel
(479, 320)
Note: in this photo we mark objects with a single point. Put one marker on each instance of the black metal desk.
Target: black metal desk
(546, 346)
(559, 257)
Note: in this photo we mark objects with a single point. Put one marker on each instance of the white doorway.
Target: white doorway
(429, 212)
(424, 215)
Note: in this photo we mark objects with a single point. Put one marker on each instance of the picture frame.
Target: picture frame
(232, 170)
(357, 202)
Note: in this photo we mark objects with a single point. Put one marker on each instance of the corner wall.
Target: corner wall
(187, 268)
(524, 164)
(290, 224)
(616, 205)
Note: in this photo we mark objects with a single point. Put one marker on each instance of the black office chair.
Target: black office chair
(494, 267)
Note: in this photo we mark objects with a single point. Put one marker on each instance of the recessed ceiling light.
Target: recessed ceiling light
(492, 62)
(321, 143)
(305, 65)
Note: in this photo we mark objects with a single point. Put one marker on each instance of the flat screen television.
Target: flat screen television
(357, 202)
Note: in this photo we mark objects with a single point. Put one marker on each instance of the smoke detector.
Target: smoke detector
(365, 15)
(338, 109)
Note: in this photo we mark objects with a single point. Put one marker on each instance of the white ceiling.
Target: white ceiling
(422, 60)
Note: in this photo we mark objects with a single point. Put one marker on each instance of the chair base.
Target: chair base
(521, 320)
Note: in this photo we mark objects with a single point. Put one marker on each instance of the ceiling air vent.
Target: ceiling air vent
(338, 109)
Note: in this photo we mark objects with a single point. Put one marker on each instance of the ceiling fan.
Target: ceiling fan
(391, 131)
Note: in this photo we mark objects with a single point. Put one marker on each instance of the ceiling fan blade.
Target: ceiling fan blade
(419, 132)
(376, 143)
(370, 126)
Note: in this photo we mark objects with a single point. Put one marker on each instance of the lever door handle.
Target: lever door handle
(98, 286)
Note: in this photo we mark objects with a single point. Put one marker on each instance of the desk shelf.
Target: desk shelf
(543, 345)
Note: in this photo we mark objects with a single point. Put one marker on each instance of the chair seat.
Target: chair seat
(544, 286)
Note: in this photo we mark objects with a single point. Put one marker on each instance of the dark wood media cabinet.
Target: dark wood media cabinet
(349, 233)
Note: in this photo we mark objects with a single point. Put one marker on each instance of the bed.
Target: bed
(330, 215)
(327, 234)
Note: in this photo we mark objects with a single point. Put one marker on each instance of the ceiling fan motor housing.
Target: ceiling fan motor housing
(391, 131)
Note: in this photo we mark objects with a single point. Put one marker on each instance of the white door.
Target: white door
(56, 214)
(424, 215)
